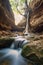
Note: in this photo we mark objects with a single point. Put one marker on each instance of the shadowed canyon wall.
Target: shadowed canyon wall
(6, 16)
(7, 21)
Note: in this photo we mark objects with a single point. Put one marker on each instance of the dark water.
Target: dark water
(12, 55)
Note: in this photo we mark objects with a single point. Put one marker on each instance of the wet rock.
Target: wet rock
(5, 42)
(41, 60)
(34, 51)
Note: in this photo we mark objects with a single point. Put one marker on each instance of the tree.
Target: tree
(23, 8)
(27, 11)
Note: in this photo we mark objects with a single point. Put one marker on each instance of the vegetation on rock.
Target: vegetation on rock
(5, 42)
(33, 51)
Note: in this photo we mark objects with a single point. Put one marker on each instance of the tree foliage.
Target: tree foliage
(19, 3)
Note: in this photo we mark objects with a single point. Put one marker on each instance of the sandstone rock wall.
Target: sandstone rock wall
(36, 16)
(6, 16)
(36, 20)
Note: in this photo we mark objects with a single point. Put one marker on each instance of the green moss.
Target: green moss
(33, 53)
(41, 52)
(30, 49)
(26, 50)
(5, 42)
(2, 40)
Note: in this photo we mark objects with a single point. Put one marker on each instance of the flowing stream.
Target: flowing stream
(12, 55)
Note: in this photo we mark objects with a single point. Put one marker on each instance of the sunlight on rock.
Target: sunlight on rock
(18, 18)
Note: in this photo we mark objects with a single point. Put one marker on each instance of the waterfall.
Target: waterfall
(26, 33)
(13, 54)
(27, 25)
(18, 43)
(12, 57)
(12, 46)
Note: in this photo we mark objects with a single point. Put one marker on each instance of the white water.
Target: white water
(27, 26)
(12, 55)
(19, 42)
(12, 46)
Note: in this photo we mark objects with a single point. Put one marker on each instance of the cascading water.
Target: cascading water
(27, 26)
(12, 55)
(18, 42)
(12, 46)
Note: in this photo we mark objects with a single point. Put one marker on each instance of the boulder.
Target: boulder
(34, 51)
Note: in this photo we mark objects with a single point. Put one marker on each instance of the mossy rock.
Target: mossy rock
(26, 50)
(33, 53)
(5, 42)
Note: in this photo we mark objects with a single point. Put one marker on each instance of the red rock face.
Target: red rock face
(36, 20)
(6, 16)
